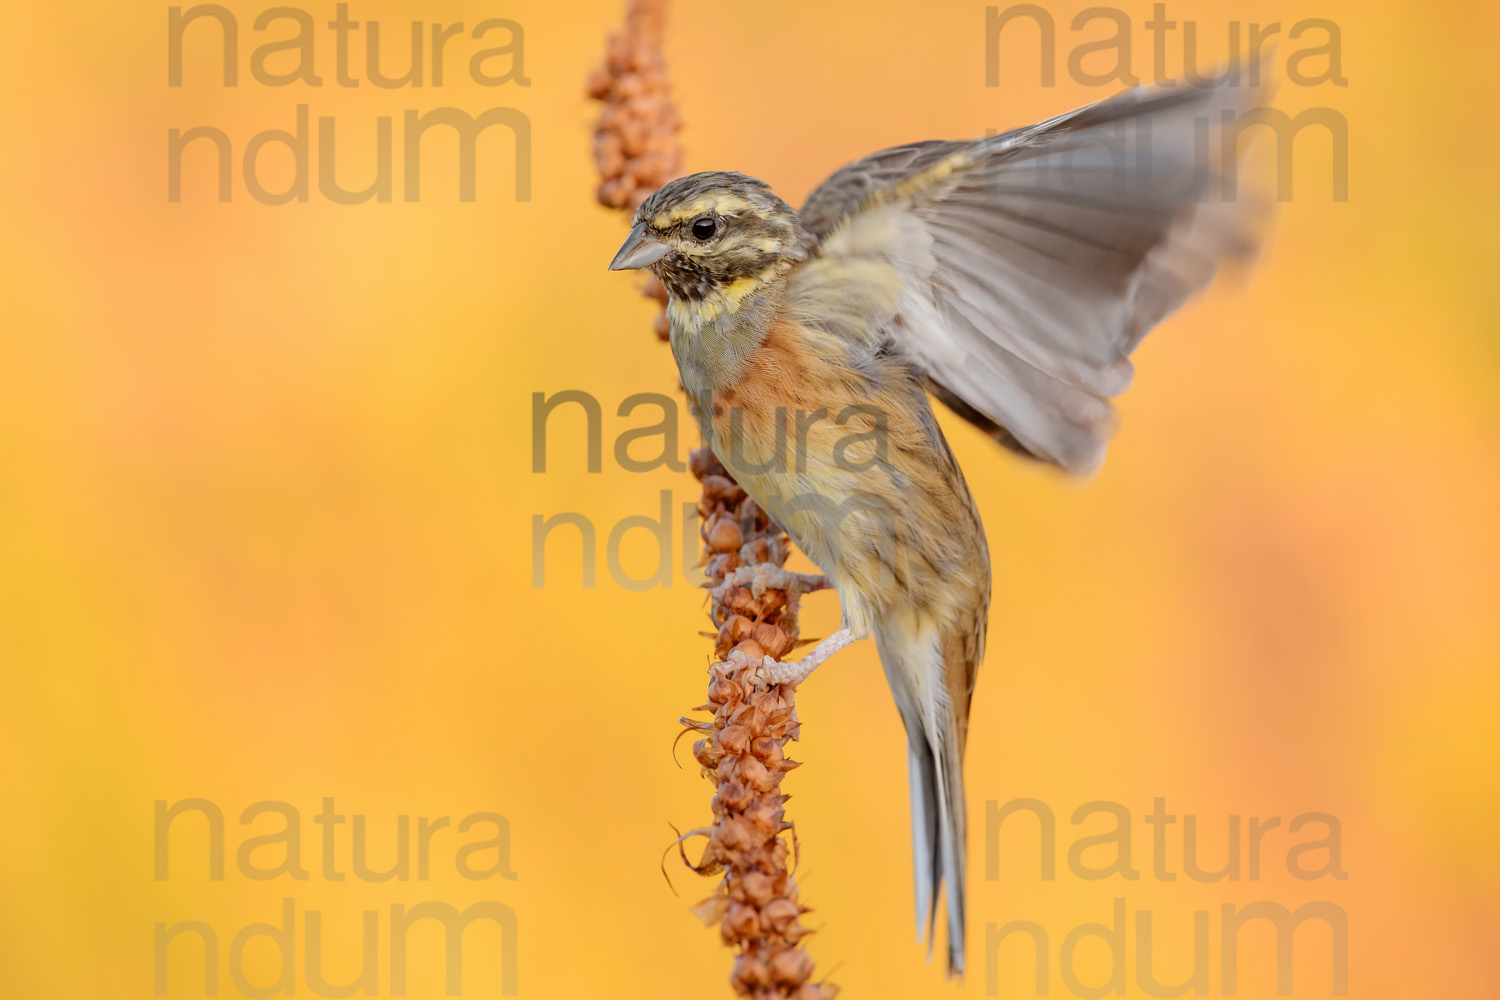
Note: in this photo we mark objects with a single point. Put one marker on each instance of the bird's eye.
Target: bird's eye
(704, 228)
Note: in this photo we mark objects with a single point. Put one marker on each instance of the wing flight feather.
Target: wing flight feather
(1021, 270)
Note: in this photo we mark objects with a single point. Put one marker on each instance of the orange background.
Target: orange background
(266, 502)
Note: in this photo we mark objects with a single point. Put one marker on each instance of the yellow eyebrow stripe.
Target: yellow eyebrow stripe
(719, 204)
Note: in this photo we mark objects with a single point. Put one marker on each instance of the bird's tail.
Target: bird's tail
(929, 676)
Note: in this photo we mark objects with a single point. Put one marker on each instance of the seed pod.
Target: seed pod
(764, 814)
(759, 888)
(767, 751)
(735, 628)
(750, 717)
(614, 193)
(741, 922)
(791, 967)
(732, 835)
(734, 797)
(734, 739)
(751, 649)
(724, 690)
(772, 639)
(719, 486)
(706, 753)
(779, 914)
(726, 536)
(599, 85)
(726, 769)
(750, 974)
(745, 603)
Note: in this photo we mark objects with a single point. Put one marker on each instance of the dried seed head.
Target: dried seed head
(635, 146)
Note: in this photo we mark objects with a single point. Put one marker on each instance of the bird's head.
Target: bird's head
(713, 233)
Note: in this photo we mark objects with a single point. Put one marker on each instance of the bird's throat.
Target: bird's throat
(714, 336)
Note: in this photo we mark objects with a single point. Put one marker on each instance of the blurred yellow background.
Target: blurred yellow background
(266, 503)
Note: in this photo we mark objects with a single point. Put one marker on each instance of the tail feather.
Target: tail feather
(939, 824)
(935, 728)
(927, 868)
(953, 856)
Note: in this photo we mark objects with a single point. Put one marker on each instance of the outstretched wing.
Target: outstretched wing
(1020, 271)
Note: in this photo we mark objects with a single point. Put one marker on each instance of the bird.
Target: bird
(1010, 277)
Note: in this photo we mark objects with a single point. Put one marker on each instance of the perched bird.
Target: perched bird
(1011, 277)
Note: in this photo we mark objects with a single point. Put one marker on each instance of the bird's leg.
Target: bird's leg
(777, 672)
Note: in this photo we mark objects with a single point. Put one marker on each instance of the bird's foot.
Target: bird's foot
(761, 576)
(777, 672)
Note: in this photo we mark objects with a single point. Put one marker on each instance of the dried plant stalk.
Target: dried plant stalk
(635, 143)
(754, 599)
(743, 747)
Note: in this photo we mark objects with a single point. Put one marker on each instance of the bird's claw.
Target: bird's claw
(774, 671)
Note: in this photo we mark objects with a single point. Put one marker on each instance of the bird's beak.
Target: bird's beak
(639, 250)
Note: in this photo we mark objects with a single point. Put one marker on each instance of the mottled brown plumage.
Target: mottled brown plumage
(1011, 276)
